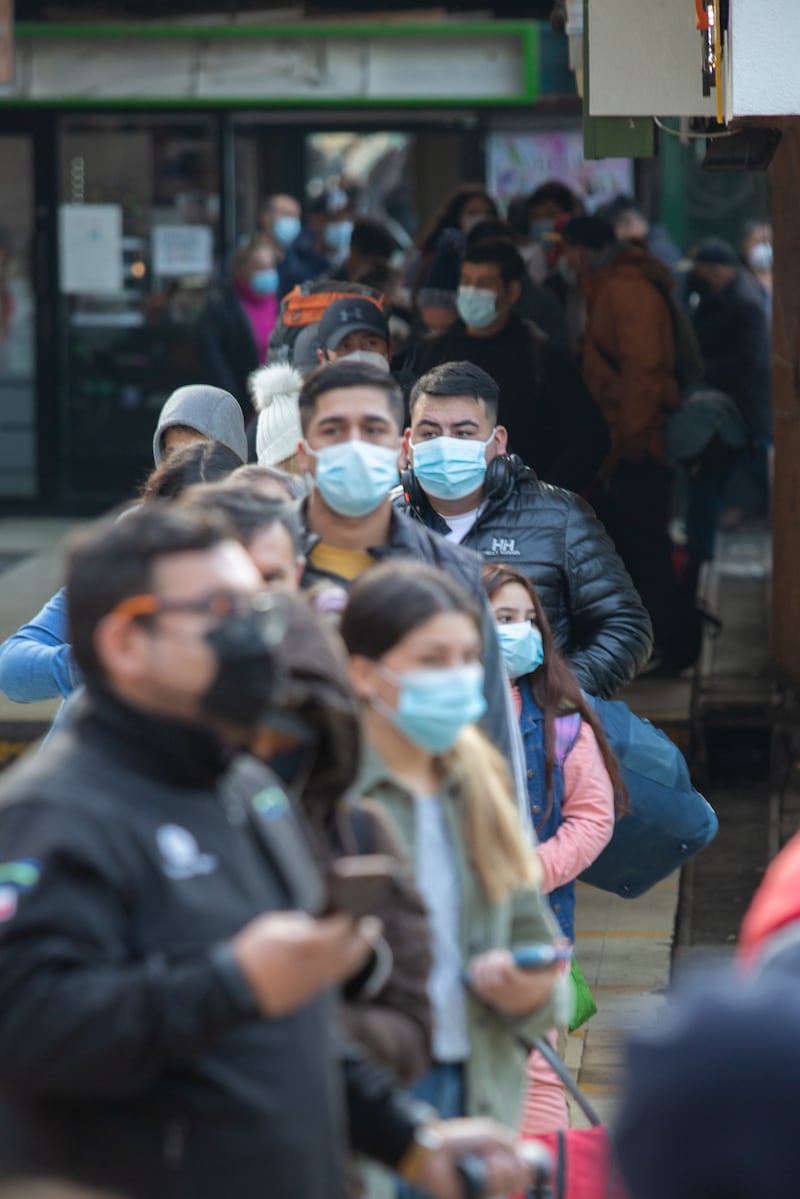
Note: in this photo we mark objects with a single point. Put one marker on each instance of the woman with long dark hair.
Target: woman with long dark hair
(574, 785)
(414, 642)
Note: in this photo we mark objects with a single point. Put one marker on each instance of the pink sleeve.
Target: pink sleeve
(588, 814)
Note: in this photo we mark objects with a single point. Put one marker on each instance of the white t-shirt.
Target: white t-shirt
(437, 880)
(461, 525)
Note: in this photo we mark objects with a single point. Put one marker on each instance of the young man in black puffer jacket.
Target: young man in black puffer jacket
(460, 483)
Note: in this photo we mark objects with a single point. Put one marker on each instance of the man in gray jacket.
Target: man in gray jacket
(461, 483)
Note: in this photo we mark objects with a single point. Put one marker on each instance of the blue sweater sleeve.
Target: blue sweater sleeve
(36, 662)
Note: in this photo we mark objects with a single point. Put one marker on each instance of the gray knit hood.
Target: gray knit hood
(210, 410)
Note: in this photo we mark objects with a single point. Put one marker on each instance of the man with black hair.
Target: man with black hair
(353, 417)
(460, 483)
(371, 242)
(166, 974)
(553, 423)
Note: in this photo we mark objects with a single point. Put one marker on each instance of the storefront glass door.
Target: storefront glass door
(139, 245)
(18, 468)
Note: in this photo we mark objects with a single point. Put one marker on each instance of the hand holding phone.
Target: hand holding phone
(362, 883)
(540, 957)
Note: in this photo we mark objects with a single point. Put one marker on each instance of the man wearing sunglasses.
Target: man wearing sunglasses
(165, 969)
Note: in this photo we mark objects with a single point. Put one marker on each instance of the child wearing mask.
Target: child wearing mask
(414, 642)
(573, 781)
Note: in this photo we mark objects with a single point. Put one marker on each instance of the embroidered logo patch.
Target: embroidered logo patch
(180, 854)
(15, 879)
(271, 804)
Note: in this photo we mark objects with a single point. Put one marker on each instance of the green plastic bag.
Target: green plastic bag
(583, 1004)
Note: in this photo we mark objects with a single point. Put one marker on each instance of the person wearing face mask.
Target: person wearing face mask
(553, 423)
(355, 328)
(351, 415)
(730, 321)
(167, 1023)
(461, 483)
(465, 207)
(573, 781)
(280, 222)
(235, 327)
(414, 642)
(371, 244)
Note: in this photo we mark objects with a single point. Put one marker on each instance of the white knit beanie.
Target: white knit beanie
(274, 390)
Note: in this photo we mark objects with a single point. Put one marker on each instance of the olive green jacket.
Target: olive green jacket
(495, 1072)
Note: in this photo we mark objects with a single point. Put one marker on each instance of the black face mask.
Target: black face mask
(247, 680)
(700, 285)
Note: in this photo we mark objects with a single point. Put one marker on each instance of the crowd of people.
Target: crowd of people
(293, 876)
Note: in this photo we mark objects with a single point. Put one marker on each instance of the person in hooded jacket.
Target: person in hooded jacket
(199, 412)
(36, 661)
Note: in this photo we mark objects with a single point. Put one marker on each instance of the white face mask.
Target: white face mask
(759, 257)
(371, 357)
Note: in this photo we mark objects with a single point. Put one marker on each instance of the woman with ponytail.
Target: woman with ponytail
(574, 787)
(415, 647)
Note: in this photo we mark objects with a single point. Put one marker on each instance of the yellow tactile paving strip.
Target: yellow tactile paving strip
(624, 948)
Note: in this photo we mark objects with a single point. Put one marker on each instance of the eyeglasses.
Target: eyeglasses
(219, 604)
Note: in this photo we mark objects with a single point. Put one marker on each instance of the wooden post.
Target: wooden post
(786, 405)
(6, 41)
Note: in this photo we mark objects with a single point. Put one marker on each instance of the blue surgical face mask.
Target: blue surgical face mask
(355, 477)
(286, 230)
(337, 236)
(477, 306)
(264, 283)
(372, 358)
(539, 230)
(433, 706)
(448, 468)
(521, 648)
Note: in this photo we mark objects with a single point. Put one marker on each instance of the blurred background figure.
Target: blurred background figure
(464, 208)
(730, 320)
(755, 248)
(239, 317)
(280, 223)
(631, 224)
(370, 248)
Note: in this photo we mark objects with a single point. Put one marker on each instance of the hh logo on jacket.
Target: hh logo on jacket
(503, 547)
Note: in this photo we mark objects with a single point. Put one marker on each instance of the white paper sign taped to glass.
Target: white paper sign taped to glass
(90, 248)
(183, 250)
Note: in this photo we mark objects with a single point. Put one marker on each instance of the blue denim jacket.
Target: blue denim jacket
(36, 662)
(531, 723)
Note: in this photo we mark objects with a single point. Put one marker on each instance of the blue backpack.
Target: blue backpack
(668, 822)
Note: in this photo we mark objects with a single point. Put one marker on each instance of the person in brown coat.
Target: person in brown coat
(630, 368)
(317, 755)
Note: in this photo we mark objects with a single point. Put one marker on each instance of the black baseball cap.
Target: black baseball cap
(717, 251)
(349, 315)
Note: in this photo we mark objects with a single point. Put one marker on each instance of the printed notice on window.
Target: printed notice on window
(183, 250)
(90, 248)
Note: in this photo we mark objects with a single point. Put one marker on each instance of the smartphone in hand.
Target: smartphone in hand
(360, 884)
(540, 957)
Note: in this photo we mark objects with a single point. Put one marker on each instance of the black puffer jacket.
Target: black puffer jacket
(599, 622)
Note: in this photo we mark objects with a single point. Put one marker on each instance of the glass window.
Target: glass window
(139, 246)
(17, 324)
